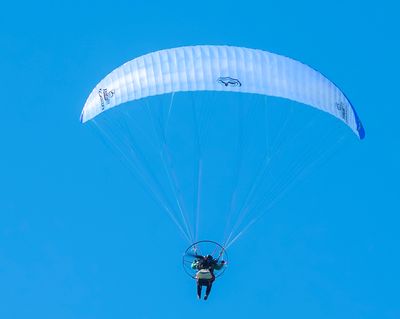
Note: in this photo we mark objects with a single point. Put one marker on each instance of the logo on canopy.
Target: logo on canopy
(228, 81)
(105, 97)
(342, 107)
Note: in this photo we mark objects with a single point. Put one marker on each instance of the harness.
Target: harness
(204, 274)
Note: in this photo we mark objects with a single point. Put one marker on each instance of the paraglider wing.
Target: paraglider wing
(220, 68)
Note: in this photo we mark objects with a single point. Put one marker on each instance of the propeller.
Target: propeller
(195, 255)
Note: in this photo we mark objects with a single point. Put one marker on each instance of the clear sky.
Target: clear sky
(68, 249)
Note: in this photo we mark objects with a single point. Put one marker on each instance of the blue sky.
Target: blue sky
(69, 251)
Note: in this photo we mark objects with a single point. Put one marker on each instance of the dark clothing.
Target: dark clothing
(210, 264)
(204, 282)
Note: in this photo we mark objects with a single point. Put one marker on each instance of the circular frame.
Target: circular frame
(203, 248)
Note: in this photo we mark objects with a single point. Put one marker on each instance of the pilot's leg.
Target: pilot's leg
(198, 289)
(208, 290)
